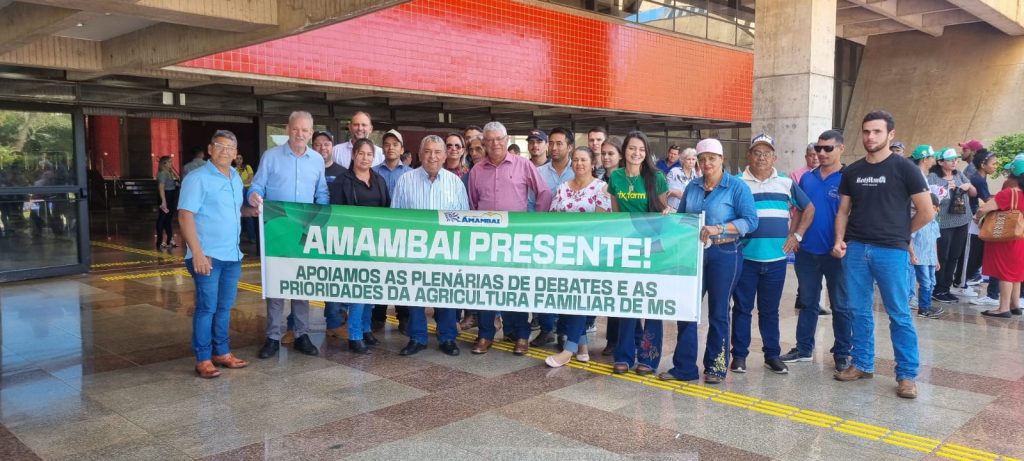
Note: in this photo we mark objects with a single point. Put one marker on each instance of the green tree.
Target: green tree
(1006, 147)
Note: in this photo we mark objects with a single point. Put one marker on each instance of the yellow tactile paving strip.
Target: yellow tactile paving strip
(796, 414)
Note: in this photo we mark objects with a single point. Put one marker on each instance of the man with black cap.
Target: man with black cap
(537, 144)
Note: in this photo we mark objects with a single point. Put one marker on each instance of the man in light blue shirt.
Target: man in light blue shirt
(294, 173)
(392, 168)
(210, 216)
(556, 172)
(431, 187)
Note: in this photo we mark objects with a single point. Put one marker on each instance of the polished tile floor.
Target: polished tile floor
(99, 367)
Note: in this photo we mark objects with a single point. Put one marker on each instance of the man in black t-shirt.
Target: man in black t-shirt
(873, 227)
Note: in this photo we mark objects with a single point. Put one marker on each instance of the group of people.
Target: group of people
(849, 225)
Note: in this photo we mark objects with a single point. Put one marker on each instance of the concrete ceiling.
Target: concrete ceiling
(102, 37)
(859, 19)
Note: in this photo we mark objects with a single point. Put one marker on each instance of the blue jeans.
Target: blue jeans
(810, 268)
(575, 331)
(444, 318)
(359, 320)
(864, 266)
(647, 351)
(763, 282)
(516, 323)
(215, 295)
(332, 314)
(721, 271)
(993, 287)
(547, 322)
(925, 285)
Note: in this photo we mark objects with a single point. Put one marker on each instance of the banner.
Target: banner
(641, 265)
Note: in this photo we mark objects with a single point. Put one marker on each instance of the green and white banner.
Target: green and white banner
(641, 265)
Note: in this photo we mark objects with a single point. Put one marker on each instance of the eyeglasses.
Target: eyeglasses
(824, 148)
(225, 146)
(762, 154)
(454, 146)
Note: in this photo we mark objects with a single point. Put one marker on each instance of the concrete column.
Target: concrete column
(794, 65)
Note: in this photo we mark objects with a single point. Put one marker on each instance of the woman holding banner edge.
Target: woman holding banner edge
(630, 188)
(583, 194)
(729, 214)
(360, 186)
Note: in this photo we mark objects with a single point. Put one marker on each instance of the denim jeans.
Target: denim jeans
(648, 351)
(215, 295)
(993, 287)
(575, 331)
(548, 322)
(444, 318)
(721, 271)
(516, 323)
(810, 268)
(759, 282)
(359, 320)
(925, 285)
(332, 315)
(865, 265)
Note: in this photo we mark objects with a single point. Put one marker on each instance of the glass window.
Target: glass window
(36, 149)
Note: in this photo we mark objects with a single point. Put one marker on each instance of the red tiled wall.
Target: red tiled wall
(506, 50)
(164, 140)
(105, 144)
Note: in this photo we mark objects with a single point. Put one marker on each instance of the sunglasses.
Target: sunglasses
(824, 148)
(454, 146)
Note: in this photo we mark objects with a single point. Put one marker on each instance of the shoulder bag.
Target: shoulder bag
(1003, 225)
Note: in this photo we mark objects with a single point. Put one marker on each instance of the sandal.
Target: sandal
(583, 358)
(620, 368)
(644, 370)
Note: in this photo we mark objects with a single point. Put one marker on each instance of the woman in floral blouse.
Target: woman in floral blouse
(583, 194)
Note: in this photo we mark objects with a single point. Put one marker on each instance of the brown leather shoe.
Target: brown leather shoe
(229, 361)
(852, 374)
(906, 388)
(620, 368)
(288, 338)
(469, 322)
(340, 332)
(206, 370)
(522, 347)
(482, 346)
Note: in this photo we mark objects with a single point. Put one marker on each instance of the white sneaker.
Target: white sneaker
(983, 301)
(913, 303)
(964, 292)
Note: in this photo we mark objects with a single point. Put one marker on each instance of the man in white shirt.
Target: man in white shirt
(431, 187)
(359, 127)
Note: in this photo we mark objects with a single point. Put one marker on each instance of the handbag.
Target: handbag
(957, 204)
(1003, 225)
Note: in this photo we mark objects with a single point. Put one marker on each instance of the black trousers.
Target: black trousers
(951, 243)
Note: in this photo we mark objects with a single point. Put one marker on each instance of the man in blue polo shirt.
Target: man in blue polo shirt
(814, 259)
(764, 254)
(291, 172)
(209, 212)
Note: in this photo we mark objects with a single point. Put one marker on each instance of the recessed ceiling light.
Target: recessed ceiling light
(107, 14)
(80, 25)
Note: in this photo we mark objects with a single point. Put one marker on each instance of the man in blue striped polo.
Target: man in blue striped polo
(764, 254)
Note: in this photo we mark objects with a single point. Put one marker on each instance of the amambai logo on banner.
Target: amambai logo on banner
(473, 218)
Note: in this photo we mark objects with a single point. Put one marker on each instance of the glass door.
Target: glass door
(43, 194)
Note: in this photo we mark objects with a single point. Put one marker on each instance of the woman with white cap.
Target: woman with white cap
(729, 214)
(951, 186)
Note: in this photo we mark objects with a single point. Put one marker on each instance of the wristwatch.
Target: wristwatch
(799, 238)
